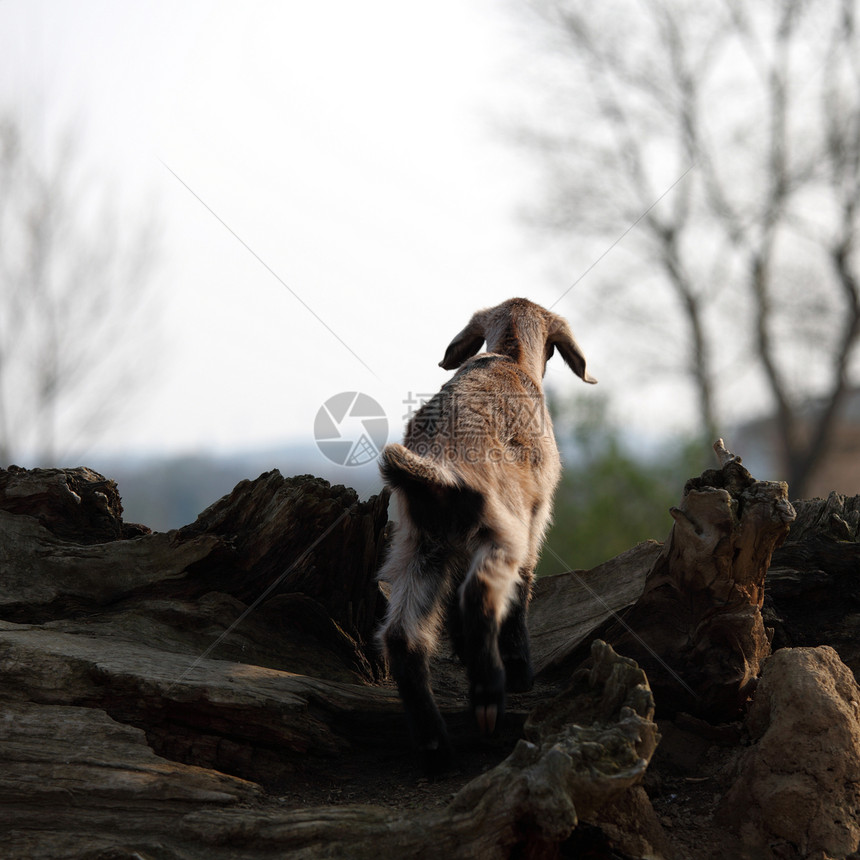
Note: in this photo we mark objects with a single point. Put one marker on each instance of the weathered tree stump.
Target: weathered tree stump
(697, 629)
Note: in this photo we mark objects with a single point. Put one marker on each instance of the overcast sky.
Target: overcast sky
(337, 190)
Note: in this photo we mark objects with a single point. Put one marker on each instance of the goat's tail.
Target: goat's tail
(403, 468)
(435, 494)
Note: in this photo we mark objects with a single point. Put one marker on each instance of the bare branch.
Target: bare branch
(71, 278)
(772, 204)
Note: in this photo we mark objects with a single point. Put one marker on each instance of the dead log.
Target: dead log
(583, 750)
(568, 608)
(158, 630)
(242, 719)
(304, 551)
(697, 628)
(75, 783)
(299, 536)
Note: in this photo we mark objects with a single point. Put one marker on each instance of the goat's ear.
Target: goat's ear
(464, 346)
(570, 351)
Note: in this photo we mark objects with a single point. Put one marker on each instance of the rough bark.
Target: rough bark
(75, 783)
(813, 585)
(568, 607)
(307, 549)
(74, 504)
(299, 536)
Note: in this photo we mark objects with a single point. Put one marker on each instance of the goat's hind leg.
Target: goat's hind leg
(409, 635)
(514, 639)
(484, 598)
(410, 666)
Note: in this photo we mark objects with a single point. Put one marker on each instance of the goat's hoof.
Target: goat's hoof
(488, 706)
(519, 676)
(487, 717)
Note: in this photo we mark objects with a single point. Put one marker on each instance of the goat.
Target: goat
(474, 479)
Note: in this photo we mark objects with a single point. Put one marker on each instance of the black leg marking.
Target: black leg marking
(483, 661)
(411, 670)
(514, 642)
(458, 565)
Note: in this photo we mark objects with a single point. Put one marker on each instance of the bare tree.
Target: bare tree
(729, 134)
(74, 276)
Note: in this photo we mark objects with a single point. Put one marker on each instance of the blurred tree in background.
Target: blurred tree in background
(74, 278)
(727, 135)
(612, 495)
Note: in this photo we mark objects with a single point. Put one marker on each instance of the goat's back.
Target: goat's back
(489, 428)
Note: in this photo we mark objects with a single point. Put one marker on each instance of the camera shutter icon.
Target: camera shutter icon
(351, 428)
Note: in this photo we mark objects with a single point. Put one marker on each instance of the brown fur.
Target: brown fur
(475, 477)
